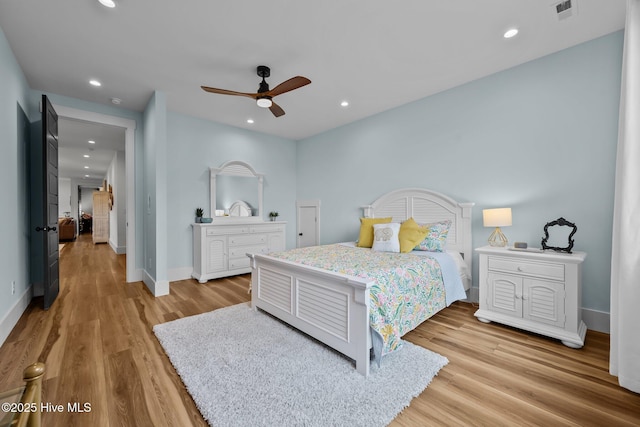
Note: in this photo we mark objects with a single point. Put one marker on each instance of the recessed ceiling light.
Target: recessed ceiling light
(86, 176)
(510, 33)
(86, 156)
(86, 167)
(344, 104)
(250, 121)
(91, 142)
(108, 3)
(116, 101)
(95, 83)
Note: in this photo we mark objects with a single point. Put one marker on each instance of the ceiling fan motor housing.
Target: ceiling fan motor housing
(264, 72)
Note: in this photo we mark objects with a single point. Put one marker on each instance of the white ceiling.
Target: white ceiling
(376, 54)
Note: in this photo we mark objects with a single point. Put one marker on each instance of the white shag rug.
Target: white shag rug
(245, 368)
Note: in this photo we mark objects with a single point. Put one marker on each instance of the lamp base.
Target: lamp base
(498, 239)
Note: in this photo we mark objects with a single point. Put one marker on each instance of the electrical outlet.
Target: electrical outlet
(13, 287)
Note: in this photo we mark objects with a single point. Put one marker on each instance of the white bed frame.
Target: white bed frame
(333, 307)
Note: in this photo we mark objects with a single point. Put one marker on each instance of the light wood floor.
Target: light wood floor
(99, 348)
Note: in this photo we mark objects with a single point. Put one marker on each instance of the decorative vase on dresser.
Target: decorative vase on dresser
(538, 291)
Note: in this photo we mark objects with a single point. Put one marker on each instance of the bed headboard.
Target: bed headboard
(427, 206)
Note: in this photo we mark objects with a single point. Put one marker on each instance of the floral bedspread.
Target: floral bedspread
(408, 288)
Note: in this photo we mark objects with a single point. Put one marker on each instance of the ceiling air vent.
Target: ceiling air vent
(565, 9)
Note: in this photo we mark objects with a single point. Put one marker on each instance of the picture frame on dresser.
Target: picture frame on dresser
(539, 291)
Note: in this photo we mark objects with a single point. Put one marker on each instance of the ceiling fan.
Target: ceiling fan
(264, 96)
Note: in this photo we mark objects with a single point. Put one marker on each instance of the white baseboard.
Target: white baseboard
(181, 273)
(118, 249)
(597, 320)
(157, 288)
(13, 315)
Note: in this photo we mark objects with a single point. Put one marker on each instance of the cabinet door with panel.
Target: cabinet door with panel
(543, 301)
(505, 294)
(216, 254)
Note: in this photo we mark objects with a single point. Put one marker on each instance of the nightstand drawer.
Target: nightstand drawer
(537, 269)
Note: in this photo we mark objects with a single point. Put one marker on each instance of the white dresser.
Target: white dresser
(537, 291)
(220, 250)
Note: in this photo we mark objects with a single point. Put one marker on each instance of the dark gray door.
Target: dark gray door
(49, 227)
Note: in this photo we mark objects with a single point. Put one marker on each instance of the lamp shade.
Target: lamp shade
(500, 217)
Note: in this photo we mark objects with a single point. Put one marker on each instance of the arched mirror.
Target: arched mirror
(236, 192)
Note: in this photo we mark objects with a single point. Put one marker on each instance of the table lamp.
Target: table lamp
(500, 217)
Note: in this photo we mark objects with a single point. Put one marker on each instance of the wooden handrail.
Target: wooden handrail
(32, 376)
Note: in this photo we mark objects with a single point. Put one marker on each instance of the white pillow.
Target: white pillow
(385, 237)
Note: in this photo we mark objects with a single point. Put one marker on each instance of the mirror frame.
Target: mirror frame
(235, 168)
(562, 223)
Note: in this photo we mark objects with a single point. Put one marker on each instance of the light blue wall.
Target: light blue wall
(14, 139)
(195, 145)
(540, 138)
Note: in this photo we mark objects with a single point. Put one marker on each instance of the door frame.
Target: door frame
(132, 273)
(308, 203)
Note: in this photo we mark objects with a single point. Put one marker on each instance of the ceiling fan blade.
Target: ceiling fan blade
(276, 109)
(228, 92)
(289, 85)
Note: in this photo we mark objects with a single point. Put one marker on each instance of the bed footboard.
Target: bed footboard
(331, 307)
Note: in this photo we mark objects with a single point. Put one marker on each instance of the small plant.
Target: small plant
(273, 215)
(199, 213)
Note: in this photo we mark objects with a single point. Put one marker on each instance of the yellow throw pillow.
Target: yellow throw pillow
(366, 230)
(411, 234)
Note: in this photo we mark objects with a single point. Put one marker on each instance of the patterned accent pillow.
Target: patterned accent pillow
(385, 237)
(365, 239)
(436, 240)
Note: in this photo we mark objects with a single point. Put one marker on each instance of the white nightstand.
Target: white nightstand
(536, 291)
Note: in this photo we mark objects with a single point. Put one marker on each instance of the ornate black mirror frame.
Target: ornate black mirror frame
(563, 223)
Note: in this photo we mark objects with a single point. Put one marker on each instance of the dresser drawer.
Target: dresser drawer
(537, 269)
(242, 251)
(267, 228)
(237, 263)
(249, 239)
(217, 231)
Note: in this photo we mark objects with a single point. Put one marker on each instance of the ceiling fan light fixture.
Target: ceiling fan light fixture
(264, 102)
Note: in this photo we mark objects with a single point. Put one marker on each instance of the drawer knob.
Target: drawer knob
(520, 269)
